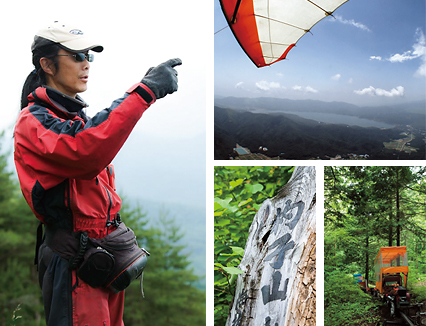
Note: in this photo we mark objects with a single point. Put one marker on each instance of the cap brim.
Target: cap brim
(81, 45)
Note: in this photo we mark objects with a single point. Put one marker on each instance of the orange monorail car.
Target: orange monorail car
(391, 273)
(391, 268)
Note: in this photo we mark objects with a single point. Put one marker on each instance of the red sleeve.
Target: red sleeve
(74, 149)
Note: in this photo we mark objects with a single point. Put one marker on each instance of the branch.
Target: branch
(413, 202)
(420, 231)
(417, 190)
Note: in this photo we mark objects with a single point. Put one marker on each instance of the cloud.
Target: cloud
(418, 51)
(352, 23)
(307, 89)
(336, 77)
(372, 91)
(421, 71)
(239, 85)
(401, 57)
(267, 86)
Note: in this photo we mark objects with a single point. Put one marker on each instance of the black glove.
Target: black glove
(162, 80)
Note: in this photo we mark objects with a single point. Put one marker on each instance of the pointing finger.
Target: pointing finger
(174, 62)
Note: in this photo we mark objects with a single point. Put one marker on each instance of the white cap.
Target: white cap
(67, 36)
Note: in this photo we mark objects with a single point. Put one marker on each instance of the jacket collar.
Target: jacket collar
(57, 100)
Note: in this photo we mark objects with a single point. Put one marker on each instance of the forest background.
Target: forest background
(174, 294)
(366, 208)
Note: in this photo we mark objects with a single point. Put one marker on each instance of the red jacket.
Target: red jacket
(63, 159)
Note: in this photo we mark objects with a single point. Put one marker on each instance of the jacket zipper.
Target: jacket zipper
(109, 210)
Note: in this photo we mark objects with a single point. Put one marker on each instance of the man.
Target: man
(63, 162)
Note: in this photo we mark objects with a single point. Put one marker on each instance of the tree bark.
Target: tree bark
(398, 212)
(278, 286)
(367, 260)
(390, 231)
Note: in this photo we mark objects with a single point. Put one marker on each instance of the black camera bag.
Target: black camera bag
(112, 262)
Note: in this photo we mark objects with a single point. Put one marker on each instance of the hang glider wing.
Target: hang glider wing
(268, 29)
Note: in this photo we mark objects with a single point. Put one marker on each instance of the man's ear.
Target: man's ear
(48, 66)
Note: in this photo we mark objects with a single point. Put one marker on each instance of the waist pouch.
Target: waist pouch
(112, 262)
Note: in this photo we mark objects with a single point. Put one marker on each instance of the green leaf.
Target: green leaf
(219, 213)
(237, 250)
(245, 202)
(222, 202)
(233, 278)
(254, 188)
(257, 187)
(222, 222)
(233, 270)
(236, 183)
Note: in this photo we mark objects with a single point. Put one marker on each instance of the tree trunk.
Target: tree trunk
(415, 250)
(367, 250)
(390, 237)
(423, 248)
(398, 212)
(278, 285)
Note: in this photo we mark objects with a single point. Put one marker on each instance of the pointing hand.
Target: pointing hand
(162, 80)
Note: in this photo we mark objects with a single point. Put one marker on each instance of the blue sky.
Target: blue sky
(372, 53)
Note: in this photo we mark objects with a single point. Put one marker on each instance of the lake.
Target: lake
(341, 119)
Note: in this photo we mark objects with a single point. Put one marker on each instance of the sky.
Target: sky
(373, 52)
(164, 158)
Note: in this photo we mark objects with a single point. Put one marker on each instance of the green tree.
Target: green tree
(20, 294)
(169, 284)
(239, 193)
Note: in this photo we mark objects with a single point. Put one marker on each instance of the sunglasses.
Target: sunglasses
(79, 57)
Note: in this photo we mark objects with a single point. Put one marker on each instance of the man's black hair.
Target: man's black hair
(37, 77)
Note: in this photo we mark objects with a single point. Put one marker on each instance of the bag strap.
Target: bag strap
(39, 241)
(75, 261)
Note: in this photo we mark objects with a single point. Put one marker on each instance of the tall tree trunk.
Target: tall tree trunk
(335, 254)
(423, 248)
(366, 259)
(415, 249)
(390, 237)
(278, 285)
(398, 213)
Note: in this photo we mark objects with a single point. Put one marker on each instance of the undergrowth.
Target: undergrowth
(346, 303)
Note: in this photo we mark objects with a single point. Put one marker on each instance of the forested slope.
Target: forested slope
(291, 137)
(367, 208)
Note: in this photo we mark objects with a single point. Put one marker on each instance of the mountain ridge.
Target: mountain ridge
(412, 113)
(289, 138)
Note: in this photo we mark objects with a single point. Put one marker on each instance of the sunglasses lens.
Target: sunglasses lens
(80, 57)
(90, 57)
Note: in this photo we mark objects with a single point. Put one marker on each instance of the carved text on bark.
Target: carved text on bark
(281, 245)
